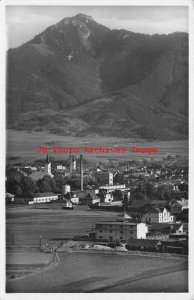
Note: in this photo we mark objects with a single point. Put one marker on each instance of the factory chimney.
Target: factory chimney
(81, 174)
(70, 163)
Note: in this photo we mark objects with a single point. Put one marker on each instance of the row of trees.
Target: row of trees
(23, 186)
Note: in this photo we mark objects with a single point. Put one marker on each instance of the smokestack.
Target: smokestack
(81, 174)
(70, 163)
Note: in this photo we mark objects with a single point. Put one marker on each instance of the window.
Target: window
(121, 238)
(100, 237)
(111, 231)
(121, 231)
(100, 230)
(131, 226)
(131, 232)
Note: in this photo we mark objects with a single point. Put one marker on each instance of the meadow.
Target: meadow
(23, 146)
(83, 272)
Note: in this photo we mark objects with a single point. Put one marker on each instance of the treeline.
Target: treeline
(163, 192)
(24, 186)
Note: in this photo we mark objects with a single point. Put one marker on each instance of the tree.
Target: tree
(137, 193)
(118, 195)
(149, 190)
(29, 186)
(14, 179)
(119, 178)
(47, 184)
(60, 180)
(165, 192)
(17, 190)
(183, 187)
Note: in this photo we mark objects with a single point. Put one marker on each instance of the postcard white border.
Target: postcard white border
(80, 296)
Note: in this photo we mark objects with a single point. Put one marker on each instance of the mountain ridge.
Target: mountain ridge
(75, 76)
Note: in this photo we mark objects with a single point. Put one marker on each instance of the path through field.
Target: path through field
(78, 272)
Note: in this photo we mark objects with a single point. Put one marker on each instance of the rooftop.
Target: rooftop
(183, 202)
(118, 222)
(143, 242)
(44, 195)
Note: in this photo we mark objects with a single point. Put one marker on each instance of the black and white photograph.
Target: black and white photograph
(97, 188)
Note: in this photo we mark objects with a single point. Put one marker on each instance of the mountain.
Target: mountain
(79, 78)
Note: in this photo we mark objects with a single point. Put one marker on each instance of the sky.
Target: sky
(24, 22)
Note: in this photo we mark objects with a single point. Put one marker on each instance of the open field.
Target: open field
(24, 263)
(24, 144)
(96, 273)
(27, 224)
(19, 258)
(85, 272)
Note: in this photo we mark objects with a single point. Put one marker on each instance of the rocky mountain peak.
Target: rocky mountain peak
(99, 81)
(84, 17)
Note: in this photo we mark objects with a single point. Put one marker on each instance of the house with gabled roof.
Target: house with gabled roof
(158, 215)
(178, 206)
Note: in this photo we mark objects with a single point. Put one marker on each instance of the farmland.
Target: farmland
(83, 272)
(23, 145)
(28, 224)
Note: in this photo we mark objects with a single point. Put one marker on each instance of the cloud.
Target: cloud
(31, 19)
(147, 26)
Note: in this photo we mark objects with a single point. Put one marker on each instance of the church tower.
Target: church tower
(48, 165)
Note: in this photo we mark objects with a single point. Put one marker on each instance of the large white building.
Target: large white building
(111, 188)
(43, 198)
(120, 230)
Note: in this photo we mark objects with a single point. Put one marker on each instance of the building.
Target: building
(104, 178)
(92, 199)
(159, 229)
(108, 197)
(74, 198)
(66, 188)
(178, 247)
(143, 245)
(9, 197)
(74, 163)
(60, 167)
(178, 206)
(40, 174)
(158, 215)
(111, 188)
(43, 198)
(120, 231)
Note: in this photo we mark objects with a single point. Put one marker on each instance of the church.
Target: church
(40, 174)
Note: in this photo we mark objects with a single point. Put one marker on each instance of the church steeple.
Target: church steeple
(47, 165)
(47, 159)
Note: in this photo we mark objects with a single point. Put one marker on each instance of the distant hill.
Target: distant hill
(79, 78)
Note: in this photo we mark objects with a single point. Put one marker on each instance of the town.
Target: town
(151, 197)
